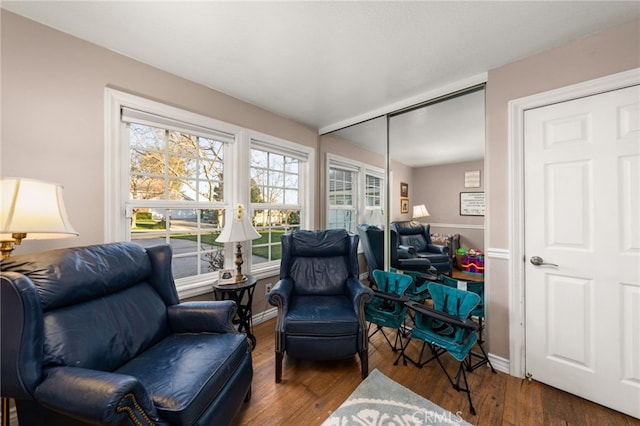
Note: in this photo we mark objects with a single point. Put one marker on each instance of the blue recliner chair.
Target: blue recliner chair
(320, 299)
(96, 335)
(419, 269)
(416, 237)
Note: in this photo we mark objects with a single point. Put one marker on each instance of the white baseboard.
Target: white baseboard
(499, 363)
(265, 315)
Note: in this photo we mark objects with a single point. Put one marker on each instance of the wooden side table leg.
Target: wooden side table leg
(6, 414)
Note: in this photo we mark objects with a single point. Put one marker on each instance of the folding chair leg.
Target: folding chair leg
(466, 389)
(484, 359)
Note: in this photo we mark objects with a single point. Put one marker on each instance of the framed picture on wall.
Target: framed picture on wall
(404, 205)
(404, 189)
(472, 204)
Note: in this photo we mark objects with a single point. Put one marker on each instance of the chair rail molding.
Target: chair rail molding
(456, 225)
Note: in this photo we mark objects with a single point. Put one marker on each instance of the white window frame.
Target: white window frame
(306, 185)
(236, 182)
(361, 170)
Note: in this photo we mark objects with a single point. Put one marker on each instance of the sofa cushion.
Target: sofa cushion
(321, 315)
(184, 372)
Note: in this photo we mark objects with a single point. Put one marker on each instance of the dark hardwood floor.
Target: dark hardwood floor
(311, 391)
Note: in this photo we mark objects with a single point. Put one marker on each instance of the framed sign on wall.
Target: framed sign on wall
(472, 204)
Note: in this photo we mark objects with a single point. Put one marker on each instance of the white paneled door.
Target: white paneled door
(582, 246)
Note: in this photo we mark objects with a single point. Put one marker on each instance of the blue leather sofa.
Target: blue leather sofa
(416, 237)
(96, 335)
(320, 299)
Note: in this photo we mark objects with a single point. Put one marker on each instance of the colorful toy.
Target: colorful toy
(472, 261)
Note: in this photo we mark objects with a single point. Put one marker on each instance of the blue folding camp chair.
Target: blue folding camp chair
(446, 328)
(476, 287)
(388, 309)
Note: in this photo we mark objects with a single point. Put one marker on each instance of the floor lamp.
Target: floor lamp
(31, 209)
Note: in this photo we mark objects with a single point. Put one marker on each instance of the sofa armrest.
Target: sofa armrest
(96, 397)
(202, 317)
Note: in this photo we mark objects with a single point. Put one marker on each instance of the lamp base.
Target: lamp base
(6, 247)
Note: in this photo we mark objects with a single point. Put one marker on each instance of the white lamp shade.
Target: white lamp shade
(33, 207)
(420, 211)
(238, 228)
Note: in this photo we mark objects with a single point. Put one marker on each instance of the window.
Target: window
(171, 176)
(342, 199)
(277, 178)
(354, 190)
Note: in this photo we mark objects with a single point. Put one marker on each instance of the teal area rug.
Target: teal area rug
(379, 401)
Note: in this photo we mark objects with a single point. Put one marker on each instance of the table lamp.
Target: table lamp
(420, 211)
(237, 230)
(33, 208)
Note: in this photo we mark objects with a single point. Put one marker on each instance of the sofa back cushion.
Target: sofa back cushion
(101, 304)
(74, 275)
(104, 333)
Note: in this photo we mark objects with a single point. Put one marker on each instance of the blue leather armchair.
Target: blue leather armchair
(372, 239)
(320, 299)
(416, 237)
(96, 335)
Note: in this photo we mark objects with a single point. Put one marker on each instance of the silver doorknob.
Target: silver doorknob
(537, 260)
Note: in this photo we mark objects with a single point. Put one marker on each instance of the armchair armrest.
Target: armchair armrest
(359, 293)
(453, 320)
(280, 293)
(390, 296)
(96, 397)
(434, 248)
(421, 264)
(199, 317)
(406, 251)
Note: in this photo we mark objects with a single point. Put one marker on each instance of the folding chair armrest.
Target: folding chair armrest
(390, 296)
(444, 317)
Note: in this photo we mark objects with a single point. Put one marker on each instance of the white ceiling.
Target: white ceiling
(330, 63)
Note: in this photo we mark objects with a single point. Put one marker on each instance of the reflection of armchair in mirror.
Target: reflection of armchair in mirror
(426, 142)
(372, 239)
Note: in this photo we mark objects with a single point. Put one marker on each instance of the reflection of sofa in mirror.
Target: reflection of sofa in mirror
(416, 238)
(372, 239)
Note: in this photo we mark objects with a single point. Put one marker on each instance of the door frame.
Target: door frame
(516, 110)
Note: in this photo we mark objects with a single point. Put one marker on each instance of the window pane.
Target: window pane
(342, 219)
(190, 232)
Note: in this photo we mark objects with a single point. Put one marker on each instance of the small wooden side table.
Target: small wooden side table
(242, 294)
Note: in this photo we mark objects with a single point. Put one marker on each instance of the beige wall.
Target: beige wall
(608, 52)
(439, 188)
(52, 92)
(52, 120)
(53, 115)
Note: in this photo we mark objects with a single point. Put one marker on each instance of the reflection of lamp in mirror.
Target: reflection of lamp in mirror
(420, 211)
(237, 230)
(376, 218)
(31, 208)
